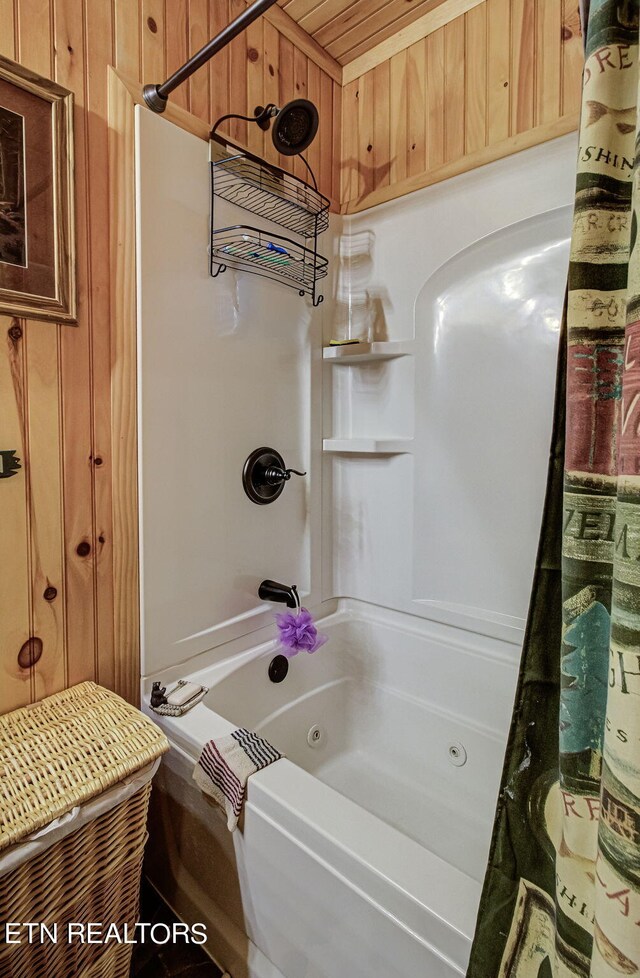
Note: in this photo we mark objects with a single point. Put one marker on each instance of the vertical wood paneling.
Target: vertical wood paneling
(271, 66)
(7, 28)
(76, 378)
(46, 505)
(43, 428)
(523, 39)
(55, 382)
(62, 517)
(326, 135)
(34, 47)
(128, 43)
(398, 116)
(548, 60)
(198, 84)
(122, 214)
(435, 74)
(454, 90)
(299, 73)
(300, 91)
(417, 108)
(313, 92)
(99, 49)
(220, 74)
(470, 91)
(365, 131)
(286, 86)
(15, 683)
(475, 22)
(498, 70)
(254, 39)
(237, 76)
(336, 170)
(176, 42)
(15, 577)
(154, 55)
(381, 124)
(350, 155)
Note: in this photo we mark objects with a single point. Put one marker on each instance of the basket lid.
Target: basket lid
(66, 749)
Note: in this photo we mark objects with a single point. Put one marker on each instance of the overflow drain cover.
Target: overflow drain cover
(315, 735)
(457, 754)
(278, 668)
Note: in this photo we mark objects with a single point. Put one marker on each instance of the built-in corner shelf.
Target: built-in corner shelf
(367, 352)
(368, 446)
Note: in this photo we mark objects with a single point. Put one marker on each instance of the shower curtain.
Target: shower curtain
(562, 890)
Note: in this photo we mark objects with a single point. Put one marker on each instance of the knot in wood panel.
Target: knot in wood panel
(30, 653)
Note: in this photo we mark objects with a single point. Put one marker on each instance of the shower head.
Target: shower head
(295, 127)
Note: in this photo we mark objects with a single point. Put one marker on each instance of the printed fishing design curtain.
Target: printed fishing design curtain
(562, 892)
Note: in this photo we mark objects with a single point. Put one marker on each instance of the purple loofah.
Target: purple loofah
(298, 633)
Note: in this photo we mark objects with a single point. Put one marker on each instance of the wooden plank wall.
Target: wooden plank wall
(502, 76)
(56, 559)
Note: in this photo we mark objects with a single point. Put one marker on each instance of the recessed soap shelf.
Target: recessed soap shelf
(362, 353)
(367, 352)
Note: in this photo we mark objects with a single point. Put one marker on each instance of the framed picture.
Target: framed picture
(37, 231)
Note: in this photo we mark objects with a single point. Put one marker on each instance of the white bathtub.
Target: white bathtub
(362, 855)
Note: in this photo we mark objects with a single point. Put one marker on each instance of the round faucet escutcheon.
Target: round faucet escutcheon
(264, 475)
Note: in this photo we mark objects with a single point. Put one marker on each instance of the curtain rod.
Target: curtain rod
(156, 96)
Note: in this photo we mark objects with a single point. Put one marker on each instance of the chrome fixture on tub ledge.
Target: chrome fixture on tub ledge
(264, 475)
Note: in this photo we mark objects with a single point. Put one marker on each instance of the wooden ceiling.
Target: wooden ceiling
(346, 29)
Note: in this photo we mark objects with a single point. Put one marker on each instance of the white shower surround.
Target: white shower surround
(365, 530)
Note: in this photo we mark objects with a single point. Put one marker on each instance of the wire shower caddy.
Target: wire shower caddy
(277, 196)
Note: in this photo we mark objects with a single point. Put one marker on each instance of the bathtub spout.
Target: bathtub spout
(273, 591)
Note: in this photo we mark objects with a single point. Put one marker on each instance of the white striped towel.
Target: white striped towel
(226, 764)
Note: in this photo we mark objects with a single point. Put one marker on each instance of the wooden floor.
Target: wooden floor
(171, 960)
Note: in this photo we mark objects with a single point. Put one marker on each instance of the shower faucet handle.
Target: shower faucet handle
(274, 475)
(265, 474)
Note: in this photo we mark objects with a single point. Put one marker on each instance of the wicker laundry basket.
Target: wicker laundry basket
(79, 751)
